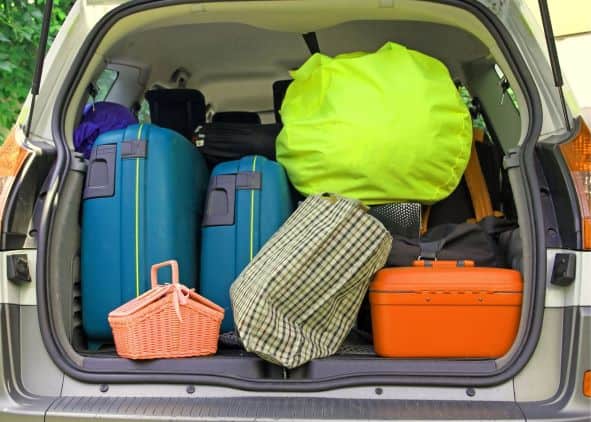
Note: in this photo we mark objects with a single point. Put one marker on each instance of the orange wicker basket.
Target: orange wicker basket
(168, 321)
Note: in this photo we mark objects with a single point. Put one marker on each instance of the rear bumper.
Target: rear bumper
(33, 389)
(277, 409)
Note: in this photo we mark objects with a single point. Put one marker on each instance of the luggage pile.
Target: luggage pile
(277, 230)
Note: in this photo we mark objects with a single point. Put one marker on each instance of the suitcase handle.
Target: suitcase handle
(219, 205)
(175, 272)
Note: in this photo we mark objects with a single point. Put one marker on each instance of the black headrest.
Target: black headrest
(236, 117)
(279, 90)
(181, 110)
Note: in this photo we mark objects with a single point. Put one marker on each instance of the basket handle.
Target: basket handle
(175, 272)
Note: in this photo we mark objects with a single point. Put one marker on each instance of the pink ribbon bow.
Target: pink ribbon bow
(178, 298)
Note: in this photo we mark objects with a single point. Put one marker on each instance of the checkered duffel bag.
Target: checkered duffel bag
(299, 297)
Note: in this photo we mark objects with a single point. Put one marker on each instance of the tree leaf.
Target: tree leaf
(36, 13)
(6, 66)
(20, 27)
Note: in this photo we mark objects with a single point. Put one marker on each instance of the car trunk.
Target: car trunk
(233, 54)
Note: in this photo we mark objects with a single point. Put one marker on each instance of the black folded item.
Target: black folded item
(454, 242)
(219, 142)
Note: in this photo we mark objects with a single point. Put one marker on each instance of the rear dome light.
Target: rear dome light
(577, 154)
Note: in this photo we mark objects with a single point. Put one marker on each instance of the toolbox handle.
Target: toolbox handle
(175, 272)
(443, 264)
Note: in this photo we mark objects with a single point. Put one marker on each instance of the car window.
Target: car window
(477, 120)
(509, 93)
(143, 114)
(103, 85)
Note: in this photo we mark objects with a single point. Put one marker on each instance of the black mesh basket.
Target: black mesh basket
(399, 218)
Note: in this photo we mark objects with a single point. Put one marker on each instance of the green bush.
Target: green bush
(20, 27)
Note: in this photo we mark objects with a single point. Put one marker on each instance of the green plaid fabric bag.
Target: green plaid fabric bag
(298, 298)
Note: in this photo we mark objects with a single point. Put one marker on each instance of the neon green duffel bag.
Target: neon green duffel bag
(379, 127)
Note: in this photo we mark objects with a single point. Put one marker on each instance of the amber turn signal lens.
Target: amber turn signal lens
(577, 154)
(587, 384)
(12, 158)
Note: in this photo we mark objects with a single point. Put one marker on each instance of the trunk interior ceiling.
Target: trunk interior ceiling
(234, 65)
(244, 60)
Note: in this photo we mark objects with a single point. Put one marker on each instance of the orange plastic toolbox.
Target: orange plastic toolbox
(444, 309)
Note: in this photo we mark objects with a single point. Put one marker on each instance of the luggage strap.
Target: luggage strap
(429, 250)
(426, 212)
(312, 42)
(477, 187)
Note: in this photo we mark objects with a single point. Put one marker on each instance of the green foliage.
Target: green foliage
(20, 27)
(478, 121)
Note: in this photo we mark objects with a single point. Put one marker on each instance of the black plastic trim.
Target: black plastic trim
(9, 208)
(17, 269)
(532, 330)
(34, 170)
(564, 195)
(564, 271)
(550, 221)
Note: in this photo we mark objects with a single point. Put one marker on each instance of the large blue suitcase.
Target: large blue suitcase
(247, 201)
(143, 201)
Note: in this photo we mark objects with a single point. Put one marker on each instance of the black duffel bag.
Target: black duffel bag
(219, 142)
(454, 242)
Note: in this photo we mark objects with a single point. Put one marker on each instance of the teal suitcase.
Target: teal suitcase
(143, 201)
(247, 201)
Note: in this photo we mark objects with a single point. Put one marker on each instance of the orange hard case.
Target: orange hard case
(445, 309)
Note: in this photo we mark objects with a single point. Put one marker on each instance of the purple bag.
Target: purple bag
(101, 118)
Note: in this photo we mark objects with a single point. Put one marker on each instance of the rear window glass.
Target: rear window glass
(506, 87)
(143, 114)
(103, 85)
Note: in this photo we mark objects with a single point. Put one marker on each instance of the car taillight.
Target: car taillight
(12, 158)
(577, 154)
